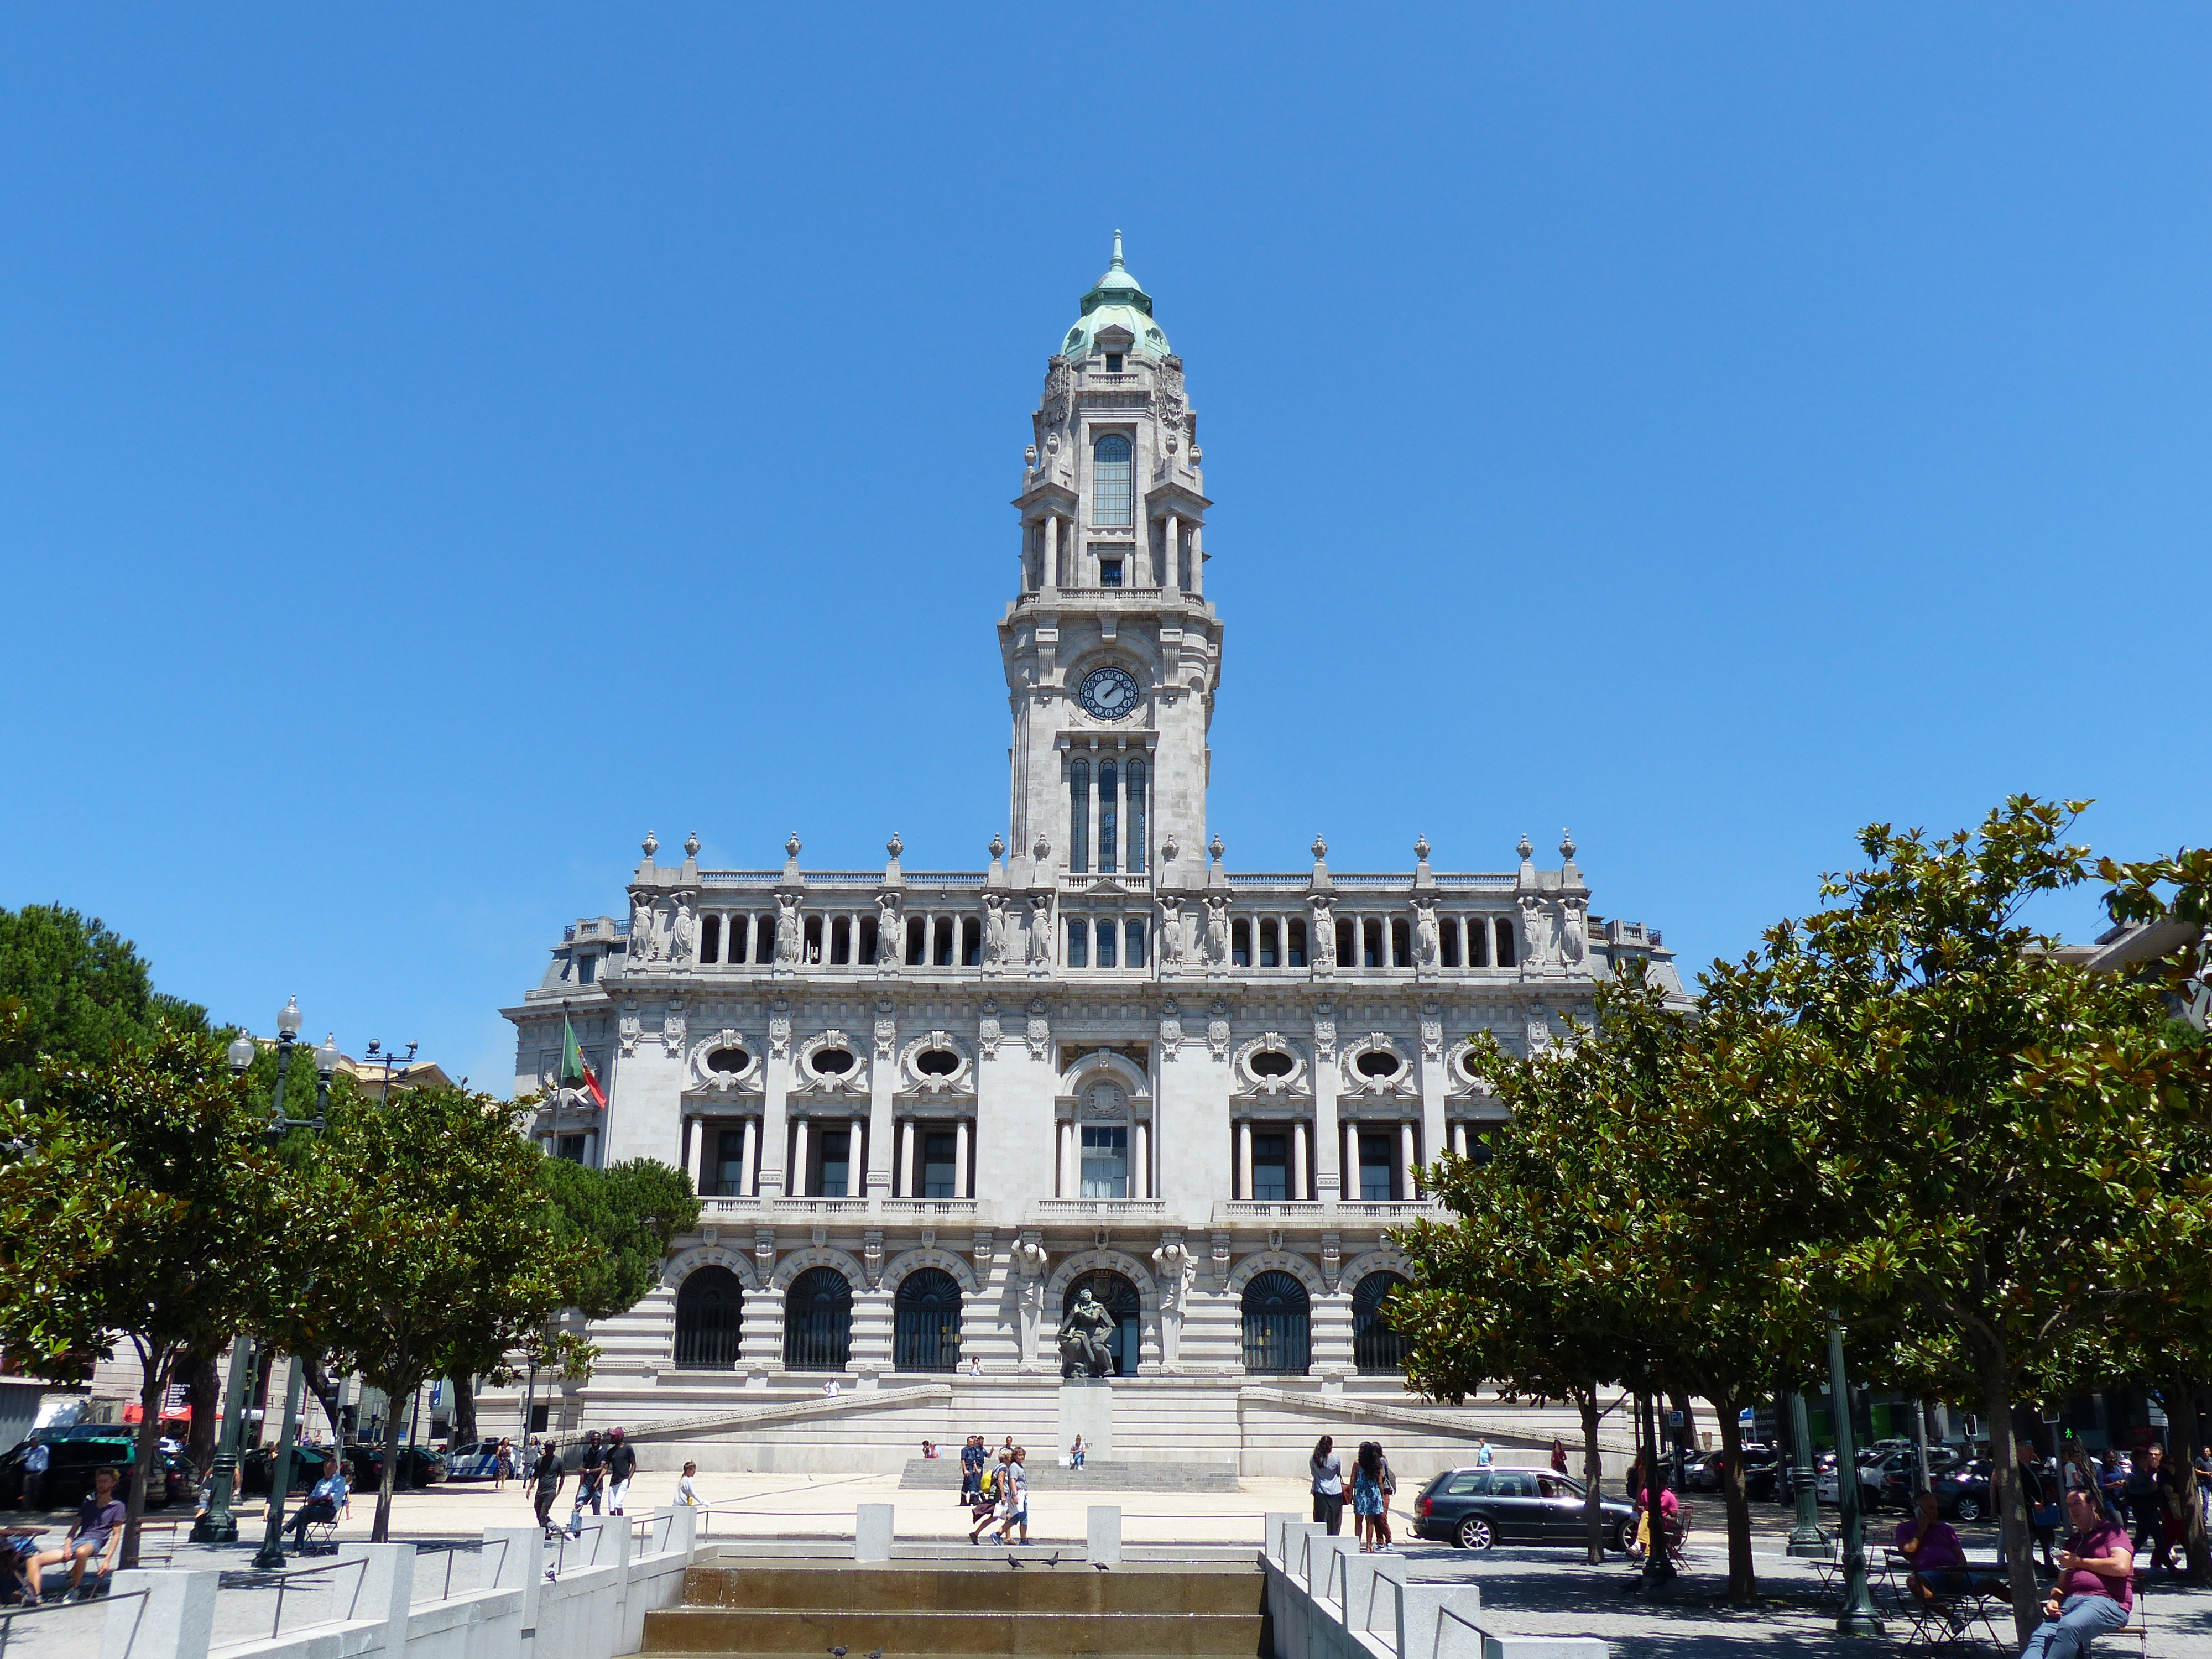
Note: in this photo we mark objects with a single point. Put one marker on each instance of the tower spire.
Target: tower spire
(1116, 265)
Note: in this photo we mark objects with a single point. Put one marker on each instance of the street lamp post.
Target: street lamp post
(1857, 1617)
(271, 1553)
(218, 1525)
(1805, 1538)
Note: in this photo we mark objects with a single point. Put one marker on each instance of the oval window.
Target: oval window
(728, 1060)
(834, 1062)
(1272, 1062)
(1375, 1063)
(1466, 1064)
(937, 1062)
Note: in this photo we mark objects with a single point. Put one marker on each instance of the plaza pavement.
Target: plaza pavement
(1526, 1591)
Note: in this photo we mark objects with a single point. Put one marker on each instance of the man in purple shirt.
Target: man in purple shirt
(2096, 1585)
(98, 1531)
(1939, 1561)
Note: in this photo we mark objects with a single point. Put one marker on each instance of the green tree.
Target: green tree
(437, 1249)
(2041, 1103)
(138, 1201)
(621, 1220)
(77, 990)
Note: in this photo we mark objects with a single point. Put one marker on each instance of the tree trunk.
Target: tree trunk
(464, 1410)
(1687, 1437)
(207, 1412)
(153, 1374)
(2181, 1446)
(1593, 1472)
(381, 1532)
(326, 1395)
(2005, 1489)
(1743, 1580)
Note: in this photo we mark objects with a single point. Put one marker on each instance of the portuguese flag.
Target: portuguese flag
(576, 1070)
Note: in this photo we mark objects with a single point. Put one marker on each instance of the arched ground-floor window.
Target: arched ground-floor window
(1375, 1346)
(1278, 1325)
(926, 1322)
(709, 1313)
(817, 1321)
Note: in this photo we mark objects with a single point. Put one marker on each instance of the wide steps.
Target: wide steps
(943, 1474)
(766, 1610)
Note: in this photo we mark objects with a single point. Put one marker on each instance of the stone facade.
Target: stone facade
(1107, 1050)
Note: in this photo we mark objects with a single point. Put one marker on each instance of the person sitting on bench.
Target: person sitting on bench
(97, 1530)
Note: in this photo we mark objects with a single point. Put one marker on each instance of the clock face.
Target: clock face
(1108, 693)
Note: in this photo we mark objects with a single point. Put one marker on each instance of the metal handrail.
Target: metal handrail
(8, 1615)
(449, 1548)
(254, 1578)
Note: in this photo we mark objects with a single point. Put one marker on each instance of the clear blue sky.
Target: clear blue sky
(438, 447)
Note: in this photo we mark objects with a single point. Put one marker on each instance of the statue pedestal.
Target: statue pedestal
(1086, 1407)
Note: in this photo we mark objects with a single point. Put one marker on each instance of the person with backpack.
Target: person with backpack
(986, 1505)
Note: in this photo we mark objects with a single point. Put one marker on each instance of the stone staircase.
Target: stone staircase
(943, 1474)
(767, 1609)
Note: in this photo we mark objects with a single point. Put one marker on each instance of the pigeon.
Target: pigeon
(1101, 1566)
(1056, 1559)
(875, 1653)
(1015, 1562)
(839, 1651)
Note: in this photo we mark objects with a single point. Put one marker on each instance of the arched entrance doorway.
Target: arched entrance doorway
(926, 1322)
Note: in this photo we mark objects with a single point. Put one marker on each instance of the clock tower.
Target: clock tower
(1112, 654)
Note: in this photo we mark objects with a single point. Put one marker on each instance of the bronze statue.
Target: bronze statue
(1083, 1333)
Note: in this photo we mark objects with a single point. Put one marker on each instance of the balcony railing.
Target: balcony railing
(928, 1209)
(1098, 1209)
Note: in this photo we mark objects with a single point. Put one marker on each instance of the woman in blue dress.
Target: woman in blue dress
(1371, 1513)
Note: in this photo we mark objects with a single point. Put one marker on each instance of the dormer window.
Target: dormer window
(1113, 362)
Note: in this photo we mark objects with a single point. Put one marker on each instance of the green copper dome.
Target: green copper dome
(1117, 298)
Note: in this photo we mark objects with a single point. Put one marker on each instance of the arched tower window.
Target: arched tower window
(1133, 789)
(1111, 493)
(817, 1321)
(1278, 1336)
(709, 1312)
(1375, 1346)
(1118, 1297)
(1078, 816)
(926, 1323)
(1109, 818)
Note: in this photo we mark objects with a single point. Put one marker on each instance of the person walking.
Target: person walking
(1327, 1471)
(2096, 1583)
(1016, 1499)
(687, 1495)
(502, 1464)
(1559, 1455)
(622, 1466)
(2045, 1512)
(2173, 1513)
(1482, 1453)
(547, 1477)
(2144, 1504)
(985, 1509)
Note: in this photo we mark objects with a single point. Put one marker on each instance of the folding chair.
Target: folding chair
(2137, 1628)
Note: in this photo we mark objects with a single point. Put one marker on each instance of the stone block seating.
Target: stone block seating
(943, 1473)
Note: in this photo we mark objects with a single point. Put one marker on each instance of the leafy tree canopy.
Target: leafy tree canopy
(621, 1221)
(71, 989)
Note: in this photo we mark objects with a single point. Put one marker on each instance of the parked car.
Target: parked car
(259, 1467)
(1899, 1475)
(1476, 1508)
(419, 1466)
(472, 1460)
(1964, 1494)
(1703, 1472)
(72, 1455)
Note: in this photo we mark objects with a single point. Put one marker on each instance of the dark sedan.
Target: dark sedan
(419, 1467)
(309, 1465)
(1476, 1508)
(73, 1456)
(1964, 1494)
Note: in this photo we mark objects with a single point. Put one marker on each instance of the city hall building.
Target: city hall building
(926, 1108)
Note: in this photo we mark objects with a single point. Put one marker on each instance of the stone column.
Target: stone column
(747, 1185)
(906, 1158)
(797, 1186)
(960, 1158)
(1140, 1162)
(855, 1160)
(1406, 1160)
(774, 1122)
(696, 1162)
(591, 1149)
(1332, 1178)
(1172, 534)
(883, 1098)
(1244, 1159)
(1069, 1159)
(1298, 1186)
